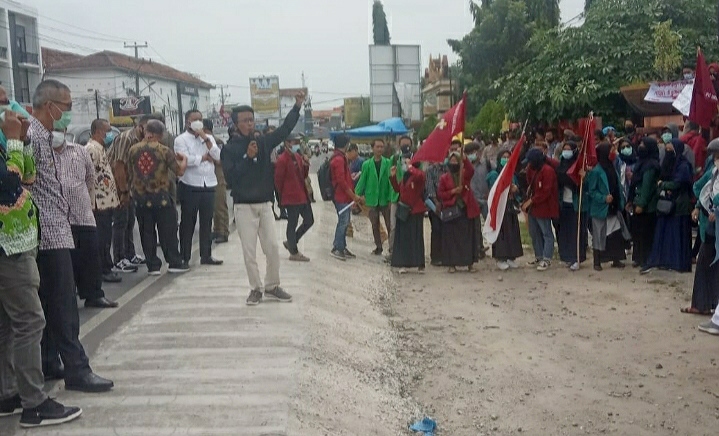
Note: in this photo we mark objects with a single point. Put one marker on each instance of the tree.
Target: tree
(587, 5)
(578, 69)
(667, 51)
(380, 31)
(427, 127)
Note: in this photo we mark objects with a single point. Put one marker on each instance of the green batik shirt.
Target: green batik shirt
(18, 214)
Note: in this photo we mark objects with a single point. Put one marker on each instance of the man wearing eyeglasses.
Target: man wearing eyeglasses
(247, 163)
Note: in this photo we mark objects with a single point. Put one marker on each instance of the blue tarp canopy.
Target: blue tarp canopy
(390, 127)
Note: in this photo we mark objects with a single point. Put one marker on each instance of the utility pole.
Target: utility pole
(222, 94)
(135, 45)
(97, 104)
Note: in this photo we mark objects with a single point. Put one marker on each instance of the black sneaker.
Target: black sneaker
(11, 406)
(646, 270)
(278, 294)
(349, 255)
(50, 412)
(138, 260)
(255, 298)
(181, 267)
(338, 255)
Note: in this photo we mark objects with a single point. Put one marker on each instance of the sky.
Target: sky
(225, 42)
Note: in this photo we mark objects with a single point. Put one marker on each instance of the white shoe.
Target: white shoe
(574, 267)
(402, 271)
(543, 265)
(503, 266)
(512, 264)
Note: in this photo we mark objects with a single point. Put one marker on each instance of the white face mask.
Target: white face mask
(197, 126)
(58, 140)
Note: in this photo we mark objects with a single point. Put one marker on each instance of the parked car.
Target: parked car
(80, 134)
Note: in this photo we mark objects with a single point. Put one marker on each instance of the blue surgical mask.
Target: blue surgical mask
(627, 151)
(446, 160)
(472, 157)
(567, 154)
(667, 137)
(109, 137)
(296, 148)
(503, 161)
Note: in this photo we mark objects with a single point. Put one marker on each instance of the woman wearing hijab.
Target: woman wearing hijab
(408, 250)
(606, 202)
(508, 246)
(568, 209)
(459, 234)
(705, 294)
(642, 199)
(672, 248)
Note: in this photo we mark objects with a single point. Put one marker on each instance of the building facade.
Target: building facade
(20, 58)
(437, 87)
(97, 79)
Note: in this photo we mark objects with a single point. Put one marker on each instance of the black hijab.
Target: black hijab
(563, 178)
(647, 159)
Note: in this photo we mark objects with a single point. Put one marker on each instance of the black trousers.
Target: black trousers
(435, 251)
(162, 222)
(294, 233)
(62, 329)
(196, 200)
(123, 225)
(86, 263)
(103, 219)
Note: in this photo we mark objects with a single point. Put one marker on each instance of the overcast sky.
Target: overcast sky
(327, 39)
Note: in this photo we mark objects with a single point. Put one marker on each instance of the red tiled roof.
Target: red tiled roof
(112, 60)
(52, 58)
(291, 92)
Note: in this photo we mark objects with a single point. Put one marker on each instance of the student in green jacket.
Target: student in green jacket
(642, 199)
(375, 189)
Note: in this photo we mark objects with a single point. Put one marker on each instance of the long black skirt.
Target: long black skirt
(614, 250)
(672, 248)
(408, 250)
(567, 235)
(459, 242)
(706, 279)
(642, 227)
(509, 241)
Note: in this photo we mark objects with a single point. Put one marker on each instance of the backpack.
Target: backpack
(324, 177)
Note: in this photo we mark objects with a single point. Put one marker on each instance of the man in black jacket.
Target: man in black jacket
(246, 161)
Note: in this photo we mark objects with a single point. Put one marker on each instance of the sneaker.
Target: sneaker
(137, 260)
(710, 328)
(502, 265)
(377, 252)
(11, 406)
(452, 270)
(543, 265)
(534, 262)
(50, 412)
(574, 267)
(181, 267)
(299, 257)
(255, 298)
(402, 271)
(338, 255)
(420, 270)
(278, 294)
(646, 270)
(126, 266)
(512, 264)
(349, 255)
(153, 272)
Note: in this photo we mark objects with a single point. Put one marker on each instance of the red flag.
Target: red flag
(704, 98)
(588, 154)
(436, 146)
(499, 195)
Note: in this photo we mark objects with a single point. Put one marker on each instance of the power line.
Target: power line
(158, 54)
(116, 38)
(97, 38)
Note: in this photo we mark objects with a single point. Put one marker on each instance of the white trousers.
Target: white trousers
(255, 221)
(715, 318)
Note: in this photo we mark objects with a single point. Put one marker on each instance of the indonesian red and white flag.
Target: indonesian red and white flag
(499, 195)
(437, 144)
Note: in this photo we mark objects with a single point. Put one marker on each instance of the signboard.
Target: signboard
(189, 90)
(265, 96)
(354, 109)
(131, 106)
(666, 92)
(683, 101)
(390, 65)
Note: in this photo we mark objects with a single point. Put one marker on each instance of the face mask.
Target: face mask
(58, 139)
(689, 76)
(627, 151)
(667, 137)
(109, 136)
(446, 160)
(404, 168)
(196, 126)
(454, 168)
(296, 148)
(472, 157)
(63, 122)
(567, 154)
(503, 161)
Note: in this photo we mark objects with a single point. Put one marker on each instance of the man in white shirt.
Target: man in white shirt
(197, 187)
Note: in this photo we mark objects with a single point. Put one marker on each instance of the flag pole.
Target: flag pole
(581, 186)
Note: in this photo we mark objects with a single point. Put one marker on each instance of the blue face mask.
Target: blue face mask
(109, 137)
(567, 154)
(446, 160)
(627, 151)
(296, 148)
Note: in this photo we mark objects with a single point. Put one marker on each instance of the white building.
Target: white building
(395, 82)
(104, 76)
(20, 60)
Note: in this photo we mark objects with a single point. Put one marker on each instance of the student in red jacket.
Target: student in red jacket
(459, 232)
(408, 247)
(344, 195)
(291, 169)
(542, 206)
(698, 144)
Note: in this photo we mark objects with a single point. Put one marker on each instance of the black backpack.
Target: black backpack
(324, 176)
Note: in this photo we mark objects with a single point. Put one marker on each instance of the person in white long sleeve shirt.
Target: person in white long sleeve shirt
(197, 187)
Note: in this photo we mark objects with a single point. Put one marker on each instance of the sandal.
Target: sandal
(695, 311)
